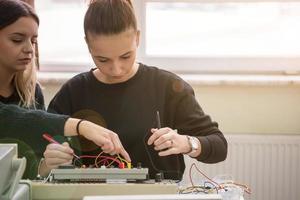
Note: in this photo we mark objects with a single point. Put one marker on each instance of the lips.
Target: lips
(24, 60)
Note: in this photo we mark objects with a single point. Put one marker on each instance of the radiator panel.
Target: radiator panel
(269, 164)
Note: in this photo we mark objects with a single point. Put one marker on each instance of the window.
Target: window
(61, 36)
(188, 36)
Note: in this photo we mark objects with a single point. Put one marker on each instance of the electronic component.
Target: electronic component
(101, 174)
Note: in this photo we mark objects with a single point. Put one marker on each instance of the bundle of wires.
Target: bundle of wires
(103, 160)
(213, 185)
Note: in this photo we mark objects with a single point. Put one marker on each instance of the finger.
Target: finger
(168, 152)
(117, 144)
(156, 134)
(152, 137)
(101, 140)
(154, 129)
(165, 145)
(57, 154)
(104, 139)
(120, 149)
(125, 155)
(65, 144)
(107, 146)
(106, 149)
(55, 162)
(59, 147)
(68, 163)
(164, 137)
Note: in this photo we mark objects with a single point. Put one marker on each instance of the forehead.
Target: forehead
(24, 25)
(108, 44)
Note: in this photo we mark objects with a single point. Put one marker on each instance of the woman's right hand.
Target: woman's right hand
(108, 140)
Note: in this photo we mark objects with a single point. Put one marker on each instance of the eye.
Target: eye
(17, 40)
(102, 60)
(125, 57)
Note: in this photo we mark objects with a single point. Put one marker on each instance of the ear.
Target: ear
(138, 33)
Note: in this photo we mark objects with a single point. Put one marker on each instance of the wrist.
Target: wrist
(74, 126)
(78, 127)
(70, 127)
(43, 169)
(194, 146)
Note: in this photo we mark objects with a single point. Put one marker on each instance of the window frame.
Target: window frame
(218, 65)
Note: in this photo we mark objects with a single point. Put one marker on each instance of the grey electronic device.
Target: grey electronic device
(157, 197)
(99, 174)
(12, 169)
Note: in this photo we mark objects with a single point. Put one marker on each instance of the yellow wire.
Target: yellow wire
(96, 163)
(122, 159)
(110, 163)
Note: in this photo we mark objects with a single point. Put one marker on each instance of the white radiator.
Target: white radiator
(269, 164)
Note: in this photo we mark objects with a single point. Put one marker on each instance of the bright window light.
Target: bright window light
(183, 36)
(61, 34)
(223, 29)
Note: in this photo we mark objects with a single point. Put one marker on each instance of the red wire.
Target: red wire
(106, 158)
(246, 188)
(111, 158)
(190, 175)
(87, 156)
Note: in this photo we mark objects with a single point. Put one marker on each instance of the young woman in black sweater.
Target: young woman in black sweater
(125, 96)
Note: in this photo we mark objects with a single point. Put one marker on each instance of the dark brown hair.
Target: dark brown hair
(107, 17)
(12, 10)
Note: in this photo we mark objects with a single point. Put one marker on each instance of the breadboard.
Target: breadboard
(99, 174)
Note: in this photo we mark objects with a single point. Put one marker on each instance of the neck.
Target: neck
(101, 77)
(6, 83)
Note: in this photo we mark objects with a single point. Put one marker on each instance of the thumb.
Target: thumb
(66, 144)
(68, 148)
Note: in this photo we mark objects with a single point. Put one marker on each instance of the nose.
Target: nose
(116, 69)
(29, 47)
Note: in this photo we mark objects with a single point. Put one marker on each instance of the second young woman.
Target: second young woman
(18, 35)
(25, 126)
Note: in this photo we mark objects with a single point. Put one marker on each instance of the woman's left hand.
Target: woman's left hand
(167, 141)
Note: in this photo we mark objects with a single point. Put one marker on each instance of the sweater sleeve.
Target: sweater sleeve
(25, 128)
(190, 119)
(15, 120)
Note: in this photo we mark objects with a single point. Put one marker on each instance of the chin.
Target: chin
(19, 68)
(117, 77)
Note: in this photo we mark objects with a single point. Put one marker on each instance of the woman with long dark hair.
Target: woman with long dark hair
(25, 126)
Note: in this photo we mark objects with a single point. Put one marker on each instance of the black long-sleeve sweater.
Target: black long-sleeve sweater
(129, 109)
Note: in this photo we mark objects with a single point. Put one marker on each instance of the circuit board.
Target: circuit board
(102, 174)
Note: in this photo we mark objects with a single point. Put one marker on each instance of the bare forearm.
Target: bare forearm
(70, 127)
